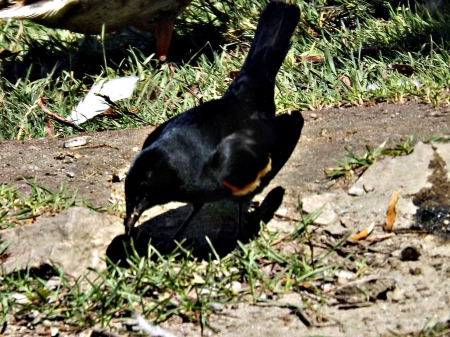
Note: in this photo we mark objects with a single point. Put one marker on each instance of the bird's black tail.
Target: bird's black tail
(267, 52)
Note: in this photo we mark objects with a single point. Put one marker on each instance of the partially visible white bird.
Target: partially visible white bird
(92, 105)
(90, 16)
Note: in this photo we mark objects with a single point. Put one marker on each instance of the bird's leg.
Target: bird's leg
(163, 34)
(240, 221)
(170, 245)
(195, 209)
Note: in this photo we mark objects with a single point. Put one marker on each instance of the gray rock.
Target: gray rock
(75, 240)
(444, 152)
(371, 194)
(410, 173)
(74, 142)
(356, 191)
(326, 202)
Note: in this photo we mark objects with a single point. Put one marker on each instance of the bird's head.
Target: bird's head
(138, 191)
(149, 182)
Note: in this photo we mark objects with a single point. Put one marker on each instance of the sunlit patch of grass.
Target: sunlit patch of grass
(159, 287)
(354, 164)
(18, 209)
(355, 41)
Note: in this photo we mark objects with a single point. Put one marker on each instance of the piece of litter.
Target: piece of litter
(75, 142)
(92, 105)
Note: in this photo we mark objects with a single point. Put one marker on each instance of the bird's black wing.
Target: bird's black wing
(248, 159)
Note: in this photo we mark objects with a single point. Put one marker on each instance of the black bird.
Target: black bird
(228, 148)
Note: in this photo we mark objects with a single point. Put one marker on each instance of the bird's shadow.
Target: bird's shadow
(212, 231)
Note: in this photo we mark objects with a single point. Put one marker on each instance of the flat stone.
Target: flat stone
(409, 173)
(368, 199)
(444, 152)
(75, 239)
(313, 203)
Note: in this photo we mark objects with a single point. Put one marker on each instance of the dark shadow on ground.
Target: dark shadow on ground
(88, 55)
(218, 222)
(433, 213)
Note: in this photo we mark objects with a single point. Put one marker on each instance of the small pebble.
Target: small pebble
(410, 254)
(356, 191)
(327, 287)
(216, 306)
(74, 142)
(54, 331)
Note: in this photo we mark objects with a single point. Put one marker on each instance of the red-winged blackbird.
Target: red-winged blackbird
(228, 148)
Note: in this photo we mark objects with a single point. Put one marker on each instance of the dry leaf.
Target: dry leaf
(312, 32)
(110, 112)
(233, 74)
(345, 80)
(198, 279)
(312, 58)
(363, 234)
(380, 237)
(29, 221)
(391, 212)
(49, 129)
(277, 241)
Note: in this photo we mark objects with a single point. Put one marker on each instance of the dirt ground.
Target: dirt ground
(401, 294)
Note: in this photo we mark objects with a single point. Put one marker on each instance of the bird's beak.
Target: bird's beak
(133, 217)
(130, 221)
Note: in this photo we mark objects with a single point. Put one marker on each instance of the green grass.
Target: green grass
(157, 287)
(160, 287)
(62, 66)
(18, 208)
(354, 164)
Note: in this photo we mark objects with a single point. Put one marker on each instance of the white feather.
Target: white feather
(92, 105)
(39, 9)
(152, 330)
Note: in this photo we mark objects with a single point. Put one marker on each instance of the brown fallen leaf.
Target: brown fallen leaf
(49, 128)
(110, 112)
(363, 234)
(391, 212)
(29, 221)
(346, 81)
(312, 58)
(233, 74)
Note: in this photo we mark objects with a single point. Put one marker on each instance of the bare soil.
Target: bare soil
(405, 278)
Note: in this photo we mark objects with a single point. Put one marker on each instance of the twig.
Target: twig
(55, 116)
